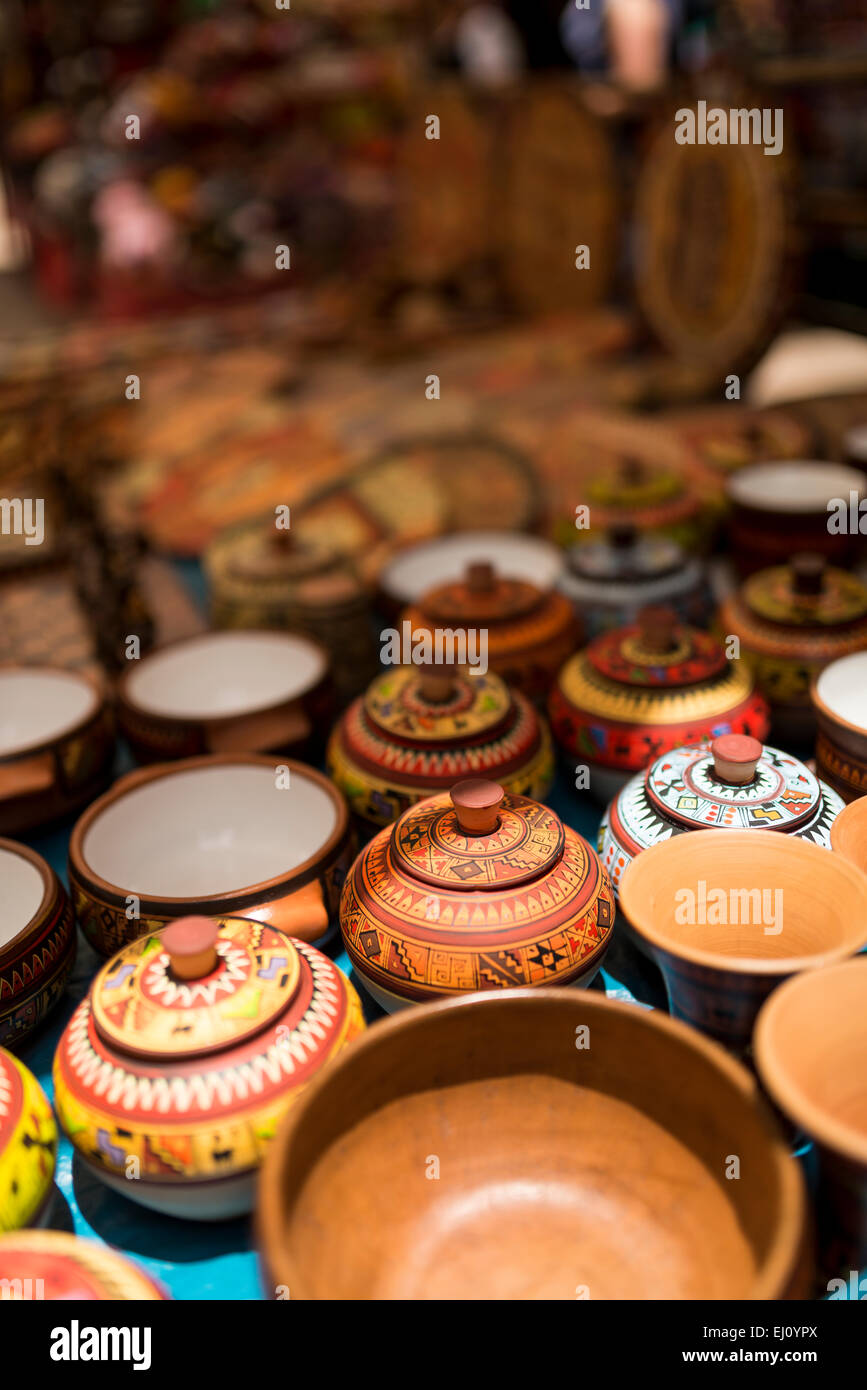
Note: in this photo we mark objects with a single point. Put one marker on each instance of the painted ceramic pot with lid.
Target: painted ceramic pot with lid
(37, 940)
(28, 1146)
(235, 835)
(59, 1267)
(226, 692)
(839, 696)
(529, 632)
(638, 691)
(56, 745)
(792, 621)
(611, 580)
(475, 890)
(415, 569)
(419, 729)
(193, 1042)
(655, 499)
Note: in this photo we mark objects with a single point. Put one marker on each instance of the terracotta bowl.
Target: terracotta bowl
(37, 941)
(214, 835)
(56, 745)
(839, 696)
(477, 1149)
(226, 692)
(849, 833)
(811, 1054)
(782, 507)
(807, 908)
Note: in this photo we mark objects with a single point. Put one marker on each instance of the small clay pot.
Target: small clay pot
(810, 1050)
(610, 581)
(28, 1147)
(56, 745)
(839, 696)
(414, 570)
(37, 941)
(849, 833)
(59, 1267)
(779, 509)
(230, 834)
(495, 1143)
(227, 692)
(728, 917)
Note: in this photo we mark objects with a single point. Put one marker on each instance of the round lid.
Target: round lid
(657, 651)
(477, 837)
(734, 782)
(197, 987)
(634, 484)
(268, 554)
(806, 593)
(57, 1266)
(28, 1144)
(626, 556)
(482, 596)
(436, 704)
(413, 571)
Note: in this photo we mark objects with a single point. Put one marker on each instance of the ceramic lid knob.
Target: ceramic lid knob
(735, 758)
(657, 625)
(623, 535)
(481, 577)
(477, 803)
(192, 946)
(808, 572)
(632, 472)
(436, 683)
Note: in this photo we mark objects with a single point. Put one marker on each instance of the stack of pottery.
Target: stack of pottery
(419, 729)
(226, 835)
(58, 1267)
(173, 1074)
(839, 697)
(475, 890)
(528, 631)
(638, 691)
(781, 509)
(792, 621)
(37, 941)
(56, 745)
(609, 581)
(28, 1146)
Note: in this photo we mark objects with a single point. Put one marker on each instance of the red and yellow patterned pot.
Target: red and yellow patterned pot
(475, 890)
(530, 632)
(418, 730)
(792, 621)
(173, 1073)
(58, 1267)
(37, 941)
(28, 1146)
(638, 691)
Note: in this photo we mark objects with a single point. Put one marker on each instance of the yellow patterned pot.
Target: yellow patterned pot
(28, 1146)
(173, 1074)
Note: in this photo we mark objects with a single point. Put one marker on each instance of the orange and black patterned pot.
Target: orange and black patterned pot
(37, 941)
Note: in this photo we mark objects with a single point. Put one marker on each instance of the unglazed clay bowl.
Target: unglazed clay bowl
(28, 1146)
(219, 834)
(811, 1053)
(522, 1146)
(58, 1267)
(226, 692)
(839, 696)
(782, 507)
(849, 833)
(56, 745)
(728, 917)
(37, 940)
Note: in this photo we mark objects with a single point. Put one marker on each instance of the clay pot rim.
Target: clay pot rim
(783, 1087)
(824, 710)
(479, 538)
(97, 708)
(86, 878)
(52, 890)
(631, 896)
(126, 700)
(854, 813)
(767, 506)
(786, 1242)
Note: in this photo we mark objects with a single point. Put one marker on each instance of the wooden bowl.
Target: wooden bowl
(56, 745)
(37, 940)
(487, 1148)
(216, 835)
(838, 698)
(798, 908)
(811, 1053)
(849, 833)
(226, 692)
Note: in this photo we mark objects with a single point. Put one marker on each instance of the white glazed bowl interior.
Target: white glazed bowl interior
(842, 686)
(21, 893)
(222, 674)
(207, 831)
(794, 487)
(425, 566)
(37, 706)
